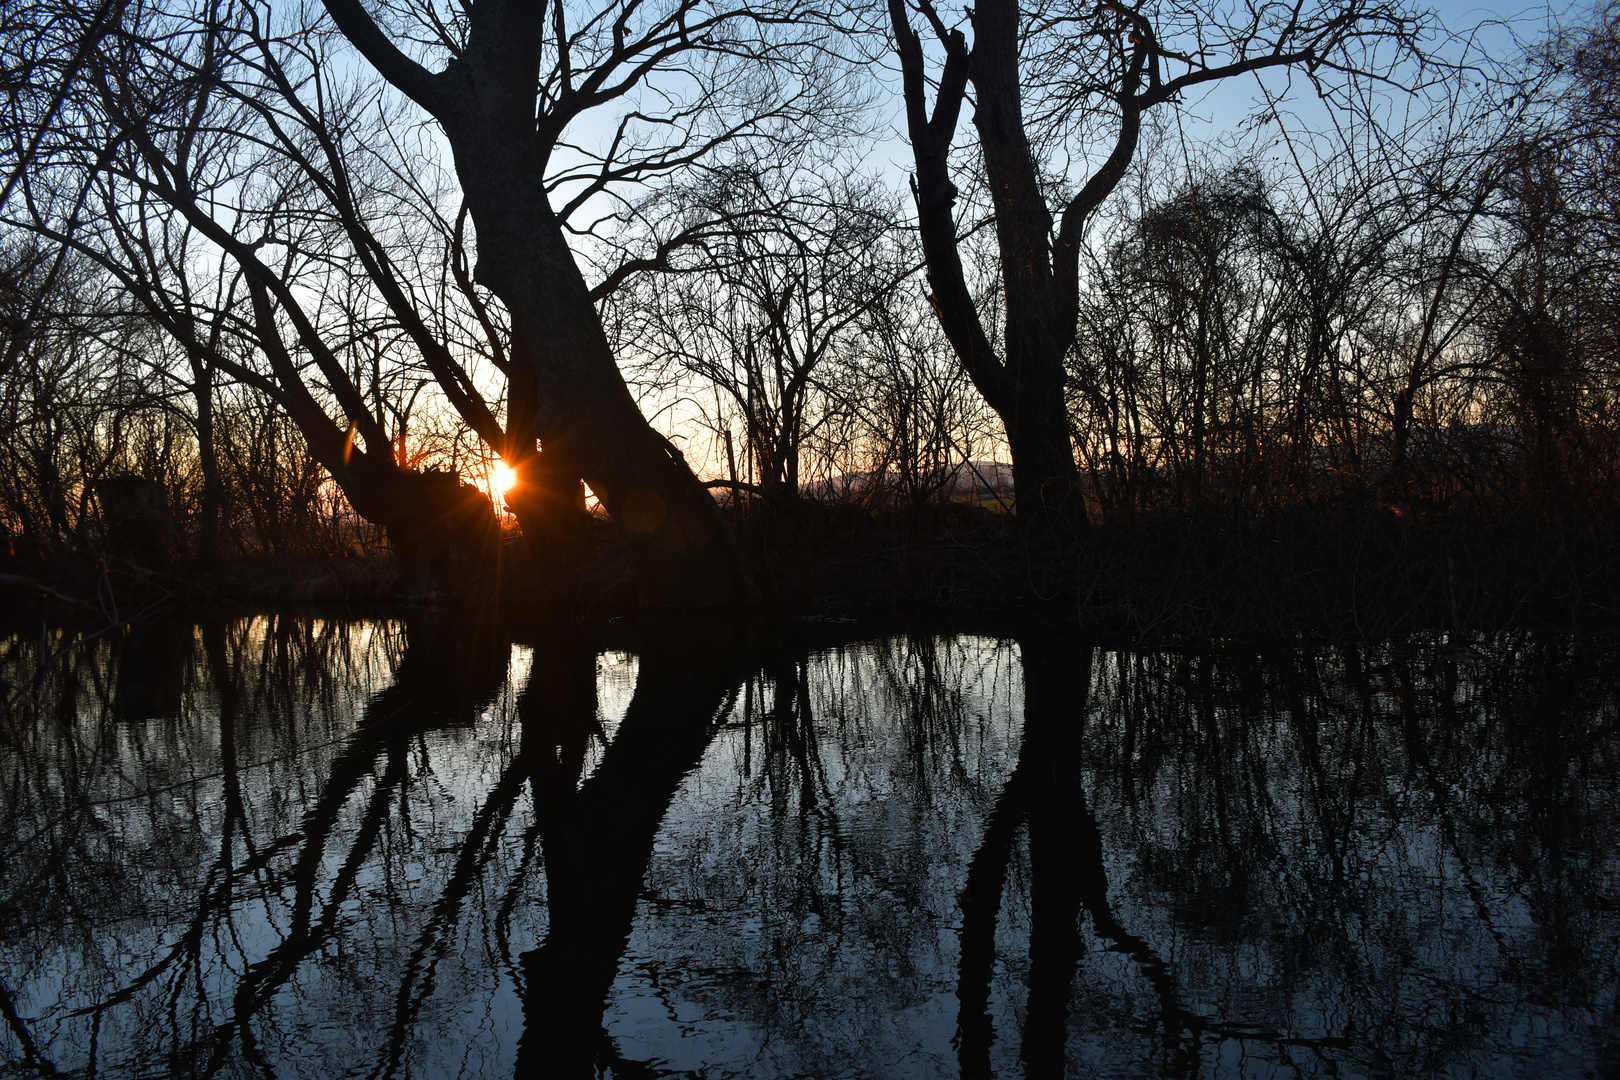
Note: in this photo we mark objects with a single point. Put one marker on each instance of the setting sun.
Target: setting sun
(501, 478)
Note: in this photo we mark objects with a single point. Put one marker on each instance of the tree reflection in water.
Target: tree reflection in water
(303, 847)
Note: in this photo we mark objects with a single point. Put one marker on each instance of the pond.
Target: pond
(437, 847)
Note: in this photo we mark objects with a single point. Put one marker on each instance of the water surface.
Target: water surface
(431, 848)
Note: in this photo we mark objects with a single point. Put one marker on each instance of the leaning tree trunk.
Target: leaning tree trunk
(485, 99)
(443, 530)
(584, 412)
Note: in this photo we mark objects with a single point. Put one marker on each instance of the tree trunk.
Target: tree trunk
(443, 530)
(549, 503)
(547, 497)
(1046, 482)
(584, 412)
(213, 492)
(1024, 384)
(485, 99)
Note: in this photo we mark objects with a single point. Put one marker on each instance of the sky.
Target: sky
(1497, 34)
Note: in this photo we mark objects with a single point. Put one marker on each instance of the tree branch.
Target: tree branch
(405, 74)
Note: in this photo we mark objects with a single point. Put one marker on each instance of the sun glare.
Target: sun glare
(501, 478)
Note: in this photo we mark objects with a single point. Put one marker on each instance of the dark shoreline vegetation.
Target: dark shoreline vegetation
(1344, 364)
(1158, 581)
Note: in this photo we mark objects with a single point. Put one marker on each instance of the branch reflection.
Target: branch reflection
(296, 846)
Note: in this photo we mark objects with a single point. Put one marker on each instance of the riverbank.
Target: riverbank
(1170, 578)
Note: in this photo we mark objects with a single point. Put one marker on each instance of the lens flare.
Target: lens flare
(501, 478)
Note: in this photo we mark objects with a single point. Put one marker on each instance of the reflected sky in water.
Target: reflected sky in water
(303, 848)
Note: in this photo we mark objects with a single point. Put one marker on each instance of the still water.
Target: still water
(430, 848)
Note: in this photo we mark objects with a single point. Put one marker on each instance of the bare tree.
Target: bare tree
(676, 80)
(223, 137)
(230, 208)
(1049, 80)
(778, 304)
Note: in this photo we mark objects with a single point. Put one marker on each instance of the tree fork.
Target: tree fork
(485, 102)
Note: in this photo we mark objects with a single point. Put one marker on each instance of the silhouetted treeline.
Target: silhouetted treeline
(235, 311)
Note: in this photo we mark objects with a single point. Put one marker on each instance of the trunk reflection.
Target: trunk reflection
(305, 847)
(597, 838)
